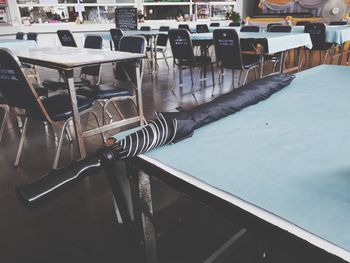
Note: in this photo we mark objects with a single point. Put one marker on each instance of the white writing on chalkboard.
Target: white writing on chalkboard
(126, 18)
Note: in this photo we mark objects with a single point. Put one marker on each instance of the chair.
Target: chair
(93, 42)
(183, 55)
(234, 24)
(6, 110)
(161, 47)
(106, 95)
(20, 35)
(214, 24)
(302, 23)
(54, 110)
(229, 55)
(255, 29)
(317, 33)
(66, 38)
(272, 24)
(202, 28)
(338, 23)
(164, 28)
(145, 28)
(32, 36)
(116, 35)
(184, 26)
(280, 29)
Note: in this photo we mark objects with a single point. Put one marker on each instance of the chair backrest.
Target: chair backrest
(338, 23)
(66, 38)
(116, 34)
(202, 28)
(272, 24)
(280, 29)
(20, 35)
(145, 28)
(317, 33)
(164, 28)
(32, 36)
(184, 26)
(232, 24)
(250, 29)
(302, 23)
(214, 24)
(133, 44)
(162, 40)
(15, 87)
(227, 48)
(94, 42)
(181, 45)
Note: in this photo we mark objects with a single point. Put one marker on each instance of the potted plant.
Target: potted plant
(140, 16)
(233, 16)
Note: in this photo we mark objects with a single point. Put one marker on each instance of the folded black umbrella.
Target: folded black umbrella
(166, 128)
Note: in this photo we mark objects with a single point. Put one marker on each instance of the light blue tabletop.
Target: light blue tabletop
(334, 34)
(288, 156)
(13, 44)
(107, 36)
(276, 42)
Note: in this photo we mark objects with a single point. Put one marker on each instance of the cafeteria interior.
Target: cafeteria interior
(77, 78)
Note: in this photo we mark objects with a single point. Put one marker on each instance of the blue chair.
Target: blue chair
(202, 28)
(19, 93)
(116, 34)
(66, 38)
(20, 36)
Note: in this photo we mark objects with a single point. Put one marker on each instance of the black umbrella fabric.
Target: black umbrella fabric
(166, 128)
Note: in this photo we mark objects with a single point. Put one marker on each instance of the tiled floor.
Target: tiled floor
(80, 225)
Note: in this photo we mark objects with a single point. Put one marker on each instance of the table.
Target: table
(284, 160)
(17, 44)
(334, 34)
(66, 59)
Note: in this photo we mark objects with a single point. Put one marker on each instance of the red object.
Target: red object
(3, 1)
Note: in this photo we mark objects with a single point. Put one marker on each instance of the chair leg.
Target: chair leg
(191, 72)
(98, 125)
(233, 79)
(217, 82)
(245, 77)
(4, 120)
(212, 74)
(118, 110)
(166, 61)
(59, 147)
(69, 135)
(196, 82)
(20, 147)
(174, 79)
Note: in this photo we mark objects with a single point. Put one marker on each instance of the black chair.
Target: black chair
(214, 24)
(145, 28)
(338, 23)
(32, 36)
(317, 33)
(19, 93)
(280, 29)
(302, 23)
(183, 55)
(164, 28)
(105, 94)
(253, 29)
(20, 35)
(202, 28)
(272, 24)
(116, 35)
(184, 26)
(93, 42)
(66, 38)
(234, 24)
(229, 55)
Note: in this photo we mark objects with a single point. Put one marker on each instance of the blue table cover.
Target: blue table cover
(334, 34)
(277, 42)
(288, 156)
(13, 44)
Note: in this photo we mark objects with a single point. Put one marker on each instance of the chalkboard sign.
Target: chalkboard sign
(126, 18)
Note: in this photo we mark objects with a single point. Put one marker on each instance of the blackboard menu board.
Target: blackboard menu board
(126, 18)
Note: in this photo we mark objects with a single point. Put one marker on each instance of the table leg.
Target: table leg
(76, 115)
(154, 38)
(283, 55)
(341, 50)
(139, 94)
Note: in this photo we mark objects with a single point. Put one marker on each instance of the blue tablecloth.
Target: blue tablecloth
(277, 42)
(13, 44)
(287, 158)
(334, 34)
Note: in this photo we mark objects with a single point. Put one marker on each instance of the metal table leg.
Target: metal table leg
(76, 115)
(139, 93)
